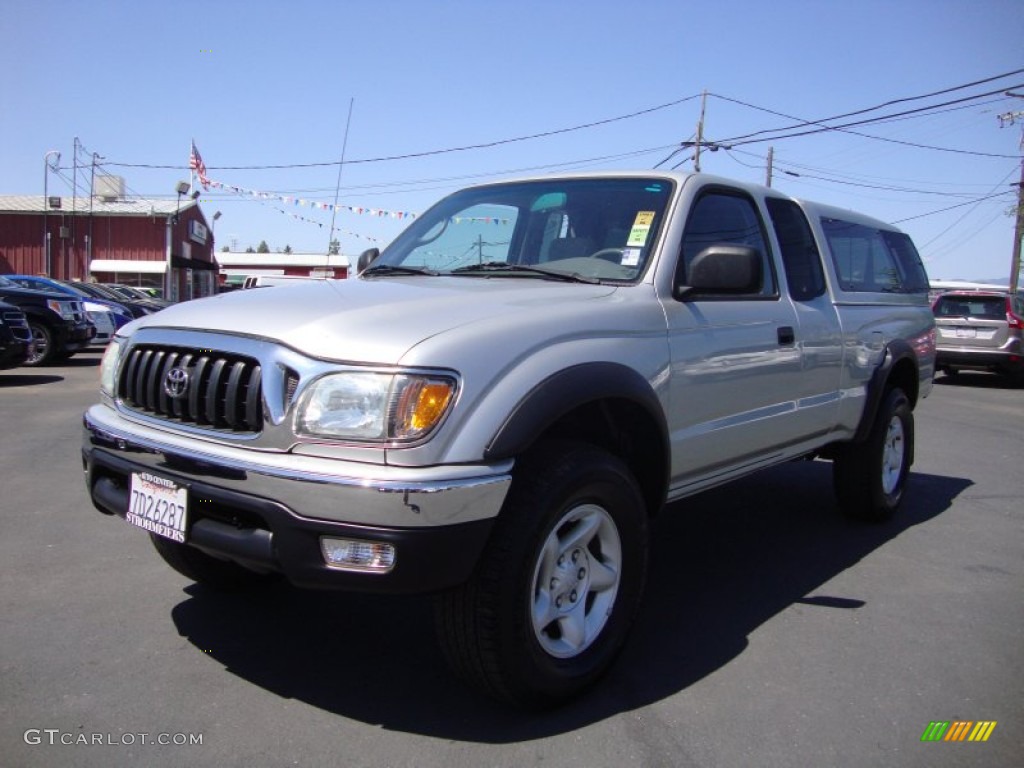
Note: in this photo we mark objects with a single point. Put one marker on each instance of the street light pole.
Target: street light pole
(46, 208)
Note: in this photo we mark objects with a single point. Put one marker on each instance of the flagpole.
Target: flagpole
(337, 186)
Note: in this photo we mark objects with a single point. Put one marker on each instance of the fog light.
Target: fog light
(355, 555)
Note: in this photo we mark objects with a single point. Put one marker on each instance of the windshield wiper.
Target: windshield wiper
(503, 266)
(397, 269)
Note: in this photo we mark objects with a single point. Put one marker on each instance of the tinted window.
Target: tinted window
(873, 260)
(980, 307)
(722, 217)
(913, 277)
(800, 256)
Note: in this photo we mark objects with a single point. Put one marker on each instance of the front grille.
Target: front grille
(15, 320)
(214, 390)
(78, 313)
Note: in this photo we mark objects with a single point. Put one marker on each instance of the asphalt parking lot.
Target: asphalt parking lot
(774, 632)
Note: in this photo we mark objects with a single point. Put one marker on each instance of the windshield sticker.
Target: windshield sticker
(630, 257)
(641, 229)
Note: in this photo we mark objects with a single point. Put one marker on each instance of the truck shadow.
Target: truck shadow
(723, 563)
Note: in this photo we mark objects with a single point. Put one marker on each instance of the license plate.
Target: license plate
(966, 333)
(158, 505)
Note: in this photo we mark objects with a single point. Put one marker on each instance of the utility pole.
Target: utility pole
(1018, 233)
(92, 198)
(1018, 229)
(700, 132)
(771, 158)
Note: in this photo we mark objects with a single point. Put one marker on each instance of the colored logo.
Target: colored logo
(958, 730)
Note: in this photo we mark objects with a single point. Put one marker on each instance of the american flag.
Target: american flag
(195, 162)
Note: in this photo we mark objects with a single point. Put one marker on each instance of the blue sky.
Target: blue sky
(262, 83)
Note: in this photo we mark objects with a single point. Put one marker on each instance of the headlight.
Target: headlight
(375, 406)
(108, 366)
(62, 308)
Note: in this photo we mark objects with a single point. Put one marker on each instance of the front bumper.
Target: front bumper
(272, 519)
(13, 354)
(76, 336)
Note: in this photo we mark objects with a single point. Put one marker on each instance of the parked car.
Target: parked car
(107, 316)
(59, 324)
(981, 331)
(132, 293)
(137, 309)
(15, 336)
(265, 281)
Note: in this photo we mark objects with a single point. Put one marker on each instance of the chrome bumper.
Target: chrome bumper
(270, 512)
(310, 487)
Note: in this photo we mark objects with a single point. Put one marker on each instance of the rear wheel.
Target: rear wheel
(870, 477)
(558, 585)
(221, 575)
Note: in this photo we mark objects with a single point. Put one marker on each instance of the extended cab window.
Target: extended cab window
(800, 257)
(873, 260)
(726, 217)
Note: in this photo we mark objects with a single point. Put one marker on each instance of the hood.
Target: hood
(369, 320)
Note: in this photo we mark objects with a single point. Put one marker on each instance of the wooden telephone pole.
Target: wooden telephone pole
(1018, 230)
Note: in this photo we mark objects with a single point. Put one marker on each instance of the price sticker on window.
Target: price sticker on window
(641, 229)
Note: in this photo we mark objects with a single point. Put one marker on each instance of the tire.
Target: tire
(220, 575)
(558, 584)
(870, 477)
(43, 350)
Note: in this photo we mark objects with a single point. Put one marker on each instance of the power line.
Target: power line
(950, 207)
(784, 133)
(865, 110)
(427, 153)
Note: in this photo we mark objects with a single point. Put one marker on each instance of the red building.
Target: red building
(164, 244)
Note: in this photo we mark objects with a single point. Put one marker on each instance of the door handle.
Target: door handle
(786, 334)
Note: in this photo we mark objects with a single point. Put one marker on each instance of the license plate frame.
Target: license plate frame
(158, 505)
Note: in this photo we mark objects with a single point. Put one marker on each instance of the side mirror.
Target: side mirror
(366, 258)
(722, 269)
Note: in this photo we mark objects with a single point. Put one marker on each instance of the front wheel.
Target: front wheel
(43, 344)
(870, 477)
(558, 585)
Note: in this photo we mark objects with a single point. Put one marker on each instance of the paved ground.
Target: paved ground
(774, 632)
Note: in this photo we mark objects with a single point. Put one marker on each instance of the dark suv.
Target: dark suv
(15, 336)
(58, 322)
(979, 330)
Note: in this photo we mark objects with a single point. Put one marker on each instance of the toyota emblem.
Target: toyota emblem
(176, 382)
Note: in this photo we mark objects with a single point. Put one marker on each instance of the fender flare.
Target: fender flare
(567, 390)
(877, 386)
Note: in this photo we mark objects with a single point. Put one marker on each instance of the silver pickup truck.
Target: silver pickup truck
(494, 408)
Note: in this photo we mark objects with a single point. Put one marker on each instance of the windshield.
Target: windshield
(588, 229)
